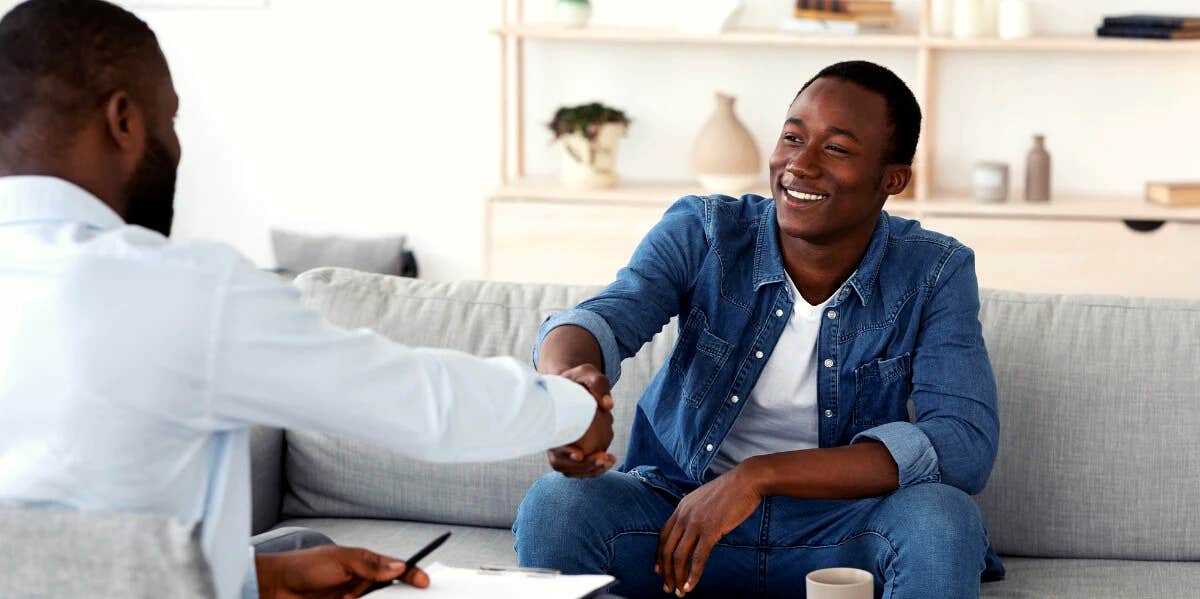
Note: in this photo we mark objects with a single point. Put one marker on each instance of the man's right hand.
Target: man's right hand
(588, 456)
(328, 571)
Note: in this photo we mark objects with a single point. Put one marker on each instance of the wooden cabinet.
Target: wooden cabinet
(1069, 256)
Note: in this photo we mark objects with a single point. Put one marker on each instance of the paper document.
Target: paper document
(447, 582)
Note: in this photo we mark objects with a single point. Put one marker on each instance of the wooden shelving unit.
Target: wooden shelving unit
(928, 202)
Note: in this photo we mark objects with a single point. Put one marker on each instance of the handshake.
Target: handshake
(588, 457)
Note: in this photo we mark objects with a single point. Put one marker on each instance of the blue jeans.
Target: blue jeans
(921, 541)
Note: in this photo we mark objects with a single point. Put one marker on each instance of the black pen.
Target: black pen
(411, 563)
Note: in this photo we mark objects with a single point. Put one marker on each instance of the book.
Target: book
(1156, 33)
(1174, 194)
(849, 6)
(1158, 21)
(864, 20)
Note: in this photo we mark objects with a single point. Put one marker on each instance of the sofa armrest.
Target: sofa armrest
(266, 477)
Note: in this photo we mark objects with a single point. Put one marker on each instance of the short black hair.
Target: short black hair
(63, 58)
(903, 110)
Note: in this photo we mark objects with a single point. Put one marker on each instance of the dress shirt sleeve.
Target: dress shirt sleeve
(955, 437)
(276, 362)
(648, 292)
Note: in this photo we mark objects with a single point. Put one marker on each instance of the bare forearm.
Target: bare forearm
(567, 347)
(851, 472)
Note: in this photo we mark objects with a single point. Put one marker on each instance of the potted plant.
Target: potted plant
(573, 13)
(588, 136)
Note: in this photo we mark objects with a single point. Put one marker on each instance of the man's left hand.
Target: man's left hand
(701, 519)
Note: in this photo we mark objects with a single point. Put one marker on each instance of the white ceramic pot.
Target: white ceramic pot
(1015, 20)
(968, 19)
(941, 17)
(591, 164)
(572, 13)
(725, 155)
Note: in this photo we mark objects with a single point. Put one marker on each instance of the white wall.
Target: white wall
(357, 117)
(377, 116)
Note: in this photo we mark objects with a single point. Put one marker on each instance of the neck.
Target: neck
(80, 172)
(818, 268)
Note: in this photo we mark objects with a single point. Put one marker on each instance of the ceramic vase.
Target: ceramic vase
(1037, 172)
(725, 155)
(591, 163)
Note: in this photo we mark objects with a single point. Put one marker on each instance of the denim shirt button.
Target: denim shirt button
(779, 312)
(831, 314)
(758, 354)
(735, 399)
(708, 447)
(828, 362)
(829, 413)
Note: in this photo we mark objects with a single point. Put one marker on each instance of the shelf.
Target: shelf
(750, 37)
(742, 37)
(1061, 208)
(662, 193)
(1077, 43)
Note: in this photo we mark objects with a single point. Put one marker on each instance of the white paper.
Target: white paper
(447, 582)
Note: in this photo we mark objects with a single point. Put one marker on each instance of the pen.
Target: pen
(411, 563)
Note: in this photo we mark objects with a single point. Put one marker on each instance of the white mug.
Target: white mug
(840, 583)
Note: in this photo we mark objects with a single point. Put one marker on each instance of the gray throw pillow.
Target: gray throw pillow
(297, 252)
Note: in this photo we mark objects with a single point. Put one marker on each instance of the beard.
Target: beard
(152, 190)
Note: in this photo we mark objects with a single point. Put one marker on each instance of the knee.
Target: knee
(935, 515)
(552, 500)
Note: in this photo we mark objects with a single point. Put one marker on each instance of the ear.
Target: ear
(125, 123)
(896, 177)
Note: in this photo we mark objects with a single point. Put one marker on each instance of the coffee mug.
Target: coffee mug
(840, 583)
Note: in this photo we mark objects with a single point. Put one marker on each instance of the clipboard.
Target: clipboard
(500, 581)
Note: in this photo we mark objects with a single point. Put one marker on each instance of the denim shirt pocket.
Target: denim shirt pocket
(698, 358)
(881, 389)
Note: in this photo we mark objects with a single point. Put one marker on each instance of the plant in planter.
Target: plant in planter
(573, 13)
(588, 136)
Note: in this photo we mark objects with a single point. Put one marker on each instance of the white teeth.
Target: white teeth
(807, 197)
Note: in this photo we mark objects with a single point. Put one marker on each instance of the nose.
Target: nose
(804, 164)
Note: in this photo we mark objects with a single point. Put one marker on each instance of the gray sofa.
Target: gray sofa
(1096, 492)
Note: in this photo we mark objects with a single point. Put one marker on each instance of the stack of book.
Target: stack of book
(1159, 27)
(840, 17)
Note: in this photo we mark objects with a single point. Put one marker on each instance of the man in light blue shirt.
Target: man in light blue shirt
(132, 367)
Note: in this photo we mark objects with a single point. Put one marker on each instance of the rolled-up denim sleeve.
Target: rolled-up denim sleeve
(647, 292)
(955, 435)
(596, 325)
(915, 456)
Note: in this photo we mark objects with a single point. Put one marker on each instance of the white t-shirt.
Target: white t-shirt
(781, 413)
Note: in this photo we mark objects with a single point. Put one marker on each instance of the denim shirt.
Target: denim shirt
(904, 327)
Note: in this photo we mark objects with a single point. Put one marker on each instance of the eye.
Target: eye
(791, 137)
(837, 149)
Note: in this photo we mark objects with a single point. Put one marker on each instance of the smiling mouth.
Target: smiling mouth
(807, 197)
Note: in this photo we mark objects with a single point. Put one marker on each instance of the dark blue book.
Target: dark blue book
(1153, 33)
(1156, 21)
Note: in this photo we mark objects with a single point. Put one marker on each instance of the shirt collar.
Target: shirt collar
(768, 263)
(27, 199)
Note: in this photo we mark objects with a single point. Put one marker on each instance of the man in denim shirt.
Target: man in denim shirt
(845, 479)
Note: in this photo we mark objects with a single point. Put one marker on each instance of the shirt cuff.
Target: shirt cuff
(597, 326)
(250, 583)
(910, 447)
(574, 409)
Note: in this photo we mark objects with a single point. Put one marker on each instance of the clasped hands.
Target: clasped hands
(701, 518)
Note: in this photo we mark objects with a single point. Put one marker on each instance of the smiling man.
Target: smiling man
(777, 440)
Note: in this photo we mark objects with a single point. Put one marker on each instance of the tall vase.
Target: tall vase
(725, 156)
(1037, 172)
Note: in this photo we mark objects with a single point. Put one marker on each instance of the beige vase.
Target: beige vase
(591, 163)
(725, 155)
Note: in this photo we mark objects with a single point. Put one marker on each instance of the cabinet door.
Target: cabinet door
(573, 243)
(1059, 256)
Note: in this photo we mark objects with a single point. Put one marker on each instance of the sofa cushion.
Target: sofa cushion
(1040, 578)
(468, 546)
(1099, 411)
(330, 476)
(1028, 578)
